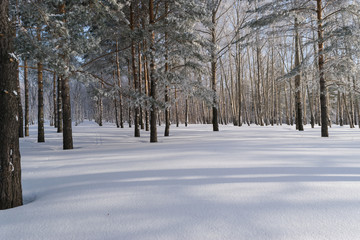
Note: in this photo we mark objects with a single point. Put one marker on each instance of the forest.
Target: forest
(143, 64)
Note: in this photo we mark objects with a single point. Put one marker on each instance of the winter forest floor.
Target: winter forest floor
(255, 183)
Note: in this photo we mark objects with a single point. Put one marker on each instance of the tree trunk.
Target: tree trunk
(299, 112)
(66, 103)
(119, 86)
(323, 101)
(146, 89)
(41, 132)
(10, 168)
(21, 118)
(351, 124)
(213, 73)
(186, 111)
(311, 107)
(176, 108)
(59, 106)
(116, 113)
(167, 100)
(67, 131)
(100, 108)
(153, 80)
(134, 72)
(54, 101)
(141, 117)
(27, 112)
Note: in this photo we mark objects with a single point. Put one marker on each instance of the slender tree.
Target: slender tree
(299, 112)
(26, 87)
(321, 60)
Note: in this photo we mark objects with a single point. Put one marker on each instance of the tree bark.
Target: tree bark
(59, 106)
(146, 89)
(54, 101)
(323, 101)
(141, 117)
(121, 118)
(153, 80)
(10, 168)
(299, 112)
(213, 73)
(176, 109)
(27, 112)
(167, 99)
(20, 109)
(134, 72)
(67, 131)
(41, 132)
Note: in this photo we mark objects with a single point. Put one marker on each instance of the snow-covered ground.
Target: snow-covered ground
(251, 183)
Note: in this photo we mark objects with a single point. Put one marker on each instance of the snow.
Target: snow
(240, 183)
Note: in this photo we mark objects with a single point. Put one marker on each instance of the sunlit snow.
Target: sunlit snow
(251, 183)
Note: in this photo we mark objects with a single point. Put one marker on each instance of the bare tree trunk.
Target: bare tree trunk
(66, 103)
(27, 112)
(348, 112)
(41, 133)
(153, 80)
(299, 116)
(54, 101)
(239, 83)
(134, 72)
(141, 119)
(176, 109)
(186, 111)
(167, 100)
(67, 131)
(323, 90)
(116, 113)
(100, 108)
(59, 106)
(10, 168)
(146, 89)
(121, 118)
(21, 118)
(311, 107)
(258, 87)
(213, 72)
(287, 107)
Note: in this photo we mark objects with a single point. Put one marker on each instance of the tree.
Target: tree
(323, 101)
(10, 169)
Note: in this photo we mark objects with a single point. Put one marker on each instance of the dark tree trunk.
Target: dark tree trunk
(67, 131)
(153, 82)
(27, 112)
(59, 106)
(116, 113)
(213, 73)
(186, 111)
(41, 132)
(323, 101)
(65, 95)
(21, 113)
(54, 101)
(100, 108)
(176, 109)
(167, 112)
(167, 99)
(299, 112)
(146, 88)
(134, 73)
(10, 169)
(141, 118)
(119, 85)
